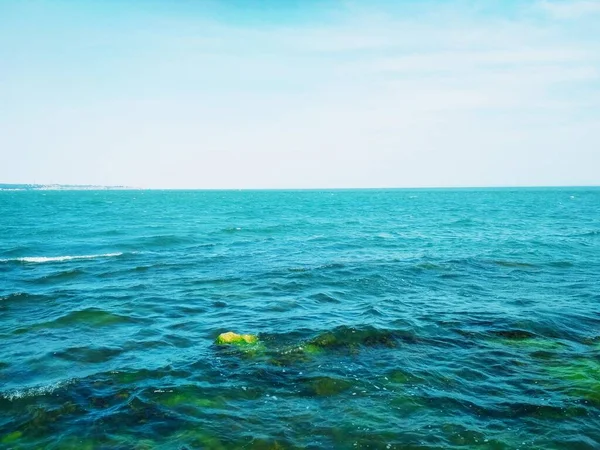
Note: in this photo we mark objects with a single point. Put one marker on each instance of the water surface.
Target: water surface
(387, 319)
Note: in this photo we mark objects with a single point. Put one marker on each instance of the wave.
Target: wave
(593, 233)
(15, 394)
(22, 296)
(91, 317)
(45, 259)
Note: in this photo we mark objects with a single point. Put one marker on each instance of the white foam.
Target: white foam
(34, 391)
(43, 259)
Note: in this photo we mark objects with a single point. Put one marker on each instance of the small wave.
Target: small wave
(464, 222)
(591, 233)
(165, 240)
(44, 259)
(91, 317)
(323, 297)
(428, 266)
(36, 391)
(560, 264)
(91, 355)
(15, 296)
(231, 229)
(514, 264)
(61, 275)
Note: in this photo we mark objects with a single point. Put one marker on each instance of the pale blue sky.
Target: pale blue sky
(300, 94)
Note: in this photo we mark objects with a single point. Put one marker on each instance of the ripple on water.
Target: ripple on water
(89, 317)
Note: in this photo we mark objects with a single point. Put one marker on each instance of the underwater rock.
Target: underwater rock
(199, 438)
(263, 444)
(326, 386)
(184, 397)
(399, 376)
(11, 437)
(458, 435)
(352, 338)
(515, 334)
(538, 347)
(312, 349)
(70, 443)
(578, 378)
(236, 339)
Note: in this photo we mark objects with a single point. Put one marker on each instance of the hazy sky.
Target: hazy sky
(300, 93)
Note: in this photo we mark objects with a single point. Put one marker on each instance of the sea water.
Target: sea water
(386, 319)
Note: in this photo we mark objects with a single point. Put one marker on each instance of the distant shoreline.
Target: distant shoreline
(64, 187)
(61, 187)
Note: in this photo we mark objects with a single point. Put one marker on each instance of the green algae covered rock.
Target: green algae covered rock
(352, 339)
(534, 344)
(186, 397)
(231, 338)
(402, 377)
(70, 443)
(11, 438)
(326, 386)
(578, 378)
(312, 349)
(199, 438)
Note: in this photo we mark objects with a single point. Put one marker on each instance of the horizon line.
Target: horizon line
(84, 187)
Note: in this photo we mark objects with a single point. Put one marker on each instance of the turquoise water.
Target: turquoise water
(386, 319)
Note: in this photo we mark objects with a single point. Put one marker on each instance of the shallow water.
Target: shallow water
(405, 319)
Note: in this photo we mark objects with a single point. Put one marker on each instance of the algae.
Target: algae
(515, 334)
(461, 436)
(261, 444)
(198, 438)
(351, 339)
(11, 438)
(77, 443)
(533, 344)
(402, 377)
(579, 378)
(311, 349)
(190, 397)
(327, 386)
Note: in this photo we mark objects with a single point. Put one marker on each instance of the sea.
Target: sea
(385, 319)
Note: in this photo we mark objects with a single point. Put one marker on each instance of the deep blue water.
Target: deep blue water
(386, 319)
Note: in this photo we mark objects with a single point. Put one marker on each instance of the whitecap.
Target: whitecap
(16, 394)
(44, 259)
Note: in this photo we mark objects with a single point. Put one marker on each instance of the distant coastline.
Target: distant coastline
(91, 187)
(60, 187)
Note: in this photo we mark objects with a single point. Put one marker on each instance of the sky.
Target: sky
(300, 93)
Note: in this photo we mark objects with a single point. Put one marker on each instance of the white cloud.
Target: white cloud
(566, 9)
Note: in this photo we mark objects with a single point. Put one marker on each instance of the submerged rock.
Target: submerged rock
(400, 376)
(535, 344)
(515, 334)
(10, 438)
(349, 338)
(578, 378)
(231, 338)
(326, 386)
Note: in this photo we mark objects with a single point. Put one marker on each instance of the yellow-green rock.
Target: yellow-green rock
(236, 339)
